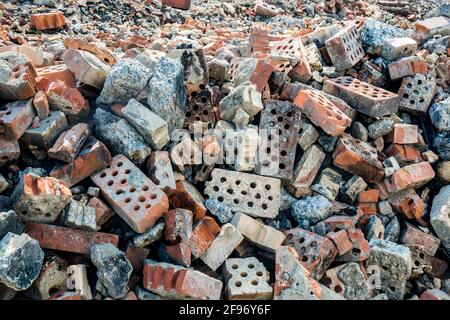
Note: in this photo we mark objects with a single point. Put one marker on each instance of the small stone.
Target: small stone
(442, 144)
(380, 128)
(10, 222)
(392, 230)
(218, 209)
(359, 131)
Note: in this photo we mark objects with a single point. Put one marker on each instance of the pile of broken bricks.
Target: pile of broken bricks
(312, 165)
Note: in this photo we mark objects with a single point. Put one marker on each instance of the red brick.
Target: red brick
(404, 153)
(360, 247)
(412, 176)
(92, 157)
(408, 203)
(179, 4)
(265, 9)
(257, 71)
(316, 252)
(203, 234)
(187, 197)
(15, 119)
(364, 97)
(57, 72)
(102, 211)
(340, 241)
(368, 208)
(371, 195)
(61, 295)
(178, 232)
(21, 83)
(404, 134)
(131, 194)
(359, 158)
(434, 295)
(259, 40)
(67, 239)
(337, 223)
(41, 105)
(46, 21)
(69, 143)
(292, 49)
(173, 281)
(83, 44)
(345, 48)
(414, 236)
(322, 112)
(136, 256)
(408, 66)
(68, 100)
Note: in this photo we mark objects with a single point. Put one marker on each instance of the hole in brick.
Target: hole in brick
(356, 251)
(234, 266)
(205, 112)
(153, 196)
(421, 255)
(115, 173)
(253, 185)
(419, 82)
(267, 186)
(132, 189)
(259, 273)
(406, 96)
(280, 119)
(236, 201)
(416, 263)
(286, 126)
(238, 182)
(127, 200)
(110, 183)
(47, 215)
(282, 166)
(250, 204)
(338, 289)
(223, 179)
(216, 188)
(264, 206)
(410, 201)
(243, 192)
(313, 244)
(270, 198)
(119, 164)
(127, 171)
(102, 175)
(230, 191)
(136, 207)
(120, 191)
(204, 100)
(220, 199)
(141, 199)
(24, 212)
(188, 114)
(301, 240)
(255, 282)
(304, 258)
(283, 153)
(145, 188)
(238, 284)
(194, 94)
(273, 111)
(258, 196)
(147, 205)
(244, 274)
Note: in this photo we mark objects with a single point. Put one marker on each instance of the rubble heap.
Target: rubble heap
(241, 150)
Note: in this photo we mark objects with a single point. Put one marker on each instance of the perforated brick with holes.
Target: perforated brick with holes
(247, 279)
(316, 252)
(358, 157)
(345, 48)
(254, 195)
(280, 118)
(365, 98)
(322, 112)
(131, 194)
(200, 109)
(416, 94)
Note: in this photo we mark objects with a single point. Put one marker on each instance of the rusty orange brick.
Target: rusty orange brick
(57, 72)
(203, 234)
(40, 103)
(413, 176)
(15, 119)
(67, 239)
(408, 202)
(186, 196)
(47, 21)
(131, 193)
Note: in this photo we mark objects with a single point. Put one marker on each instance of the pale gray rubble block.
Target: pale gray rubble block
(79, 215)
(244, 97)
(151, 127)
(247, 193)
(328, 184)
(195, 68)
(416, 94)
(374, 228)
(380, 128)
(120, 136)
(151, 235)
(247, 279)
(392, 230)
(396, 48)
(21, 260)
(10, 222)
(312, 209)
(286, 200)
(113, 270)
(442, 144)
(218, 209)
(375, 33)
(308, 136)
(293, 281)
(127, 79)
(349, 281)
(440, 114)
(359, 131)
(223, 245)
(440, 216)
(261, 235)
(390, 264)
(166, 94)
